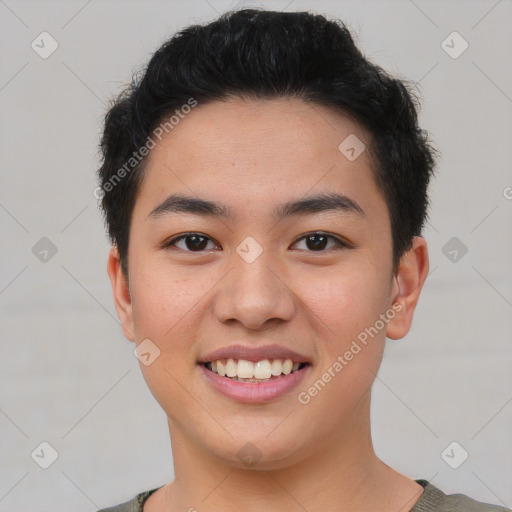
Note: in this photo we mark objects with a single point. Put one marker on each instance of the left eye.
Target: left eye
(318, 241)
(196, 242)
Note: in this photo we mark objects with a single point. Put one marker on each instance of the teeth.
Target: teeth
(262, 369)
(287, 367)
(277, 367)
(231, 368)
(243, 370)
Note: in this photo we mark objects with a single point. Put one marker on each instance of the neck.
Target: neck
(340, 473)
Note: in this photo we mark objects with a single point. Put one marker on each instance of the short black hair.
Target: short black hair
(264, 54)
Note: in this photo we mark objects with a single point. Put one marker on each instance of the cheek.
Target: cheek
(347, 301)
(162, 303)
(346, 310)
(165, 311)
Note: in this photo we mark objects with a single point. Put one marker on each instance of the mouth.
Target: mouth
(255, 382)
(243, 370)
(253, 374)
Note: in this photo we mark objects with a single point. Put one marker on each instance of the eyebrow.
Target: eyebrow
(176, 203)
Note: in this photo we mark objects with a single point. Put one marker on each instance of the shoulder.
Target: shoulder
(435, 500)
(134, 505)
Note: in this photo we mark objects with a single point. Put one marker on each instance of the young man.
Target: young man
(265, 189)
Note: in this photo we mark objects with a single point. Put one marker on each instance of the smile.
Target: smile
(242, 370)
(269, 378)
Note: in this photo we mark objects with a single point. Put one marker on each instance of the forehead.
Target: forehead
(252, 152)
(272, 129)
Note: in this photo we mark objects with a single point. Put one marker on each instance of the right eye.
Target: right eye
(192, 242)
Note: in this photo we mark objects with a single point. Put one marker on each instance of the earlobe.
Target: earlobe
(121, 293)
(408, 282)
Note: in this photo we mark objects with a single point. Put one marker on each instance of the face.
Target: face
(270, 272)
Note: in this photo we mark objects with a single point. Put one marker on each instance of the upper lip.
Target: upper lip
(253, 353)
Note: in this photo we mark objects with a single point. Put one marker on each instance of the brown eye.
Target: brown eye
(317, 242)
(192, 242)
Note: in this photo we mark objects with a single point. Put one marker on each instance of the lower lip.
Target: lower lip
(254, 392)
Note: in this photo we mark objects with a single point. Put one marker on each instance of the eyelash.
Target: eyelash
(340, 244)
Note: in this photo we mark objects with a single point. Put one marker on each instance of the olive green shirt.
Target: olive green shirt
(432, 500)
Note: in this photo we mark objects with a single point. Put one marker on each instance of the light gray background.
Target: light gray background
(69, 377)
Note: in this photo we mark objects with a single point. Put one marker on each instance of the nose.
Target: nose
(253, 294)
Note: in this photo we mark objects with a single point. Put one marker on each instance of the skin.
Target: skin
(252, 155)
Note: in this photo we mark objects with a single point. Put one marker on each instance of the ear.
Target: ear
(407, 285)
(121, 293)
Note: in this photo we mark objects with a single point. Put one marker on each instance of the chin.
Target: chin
(262, 453)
